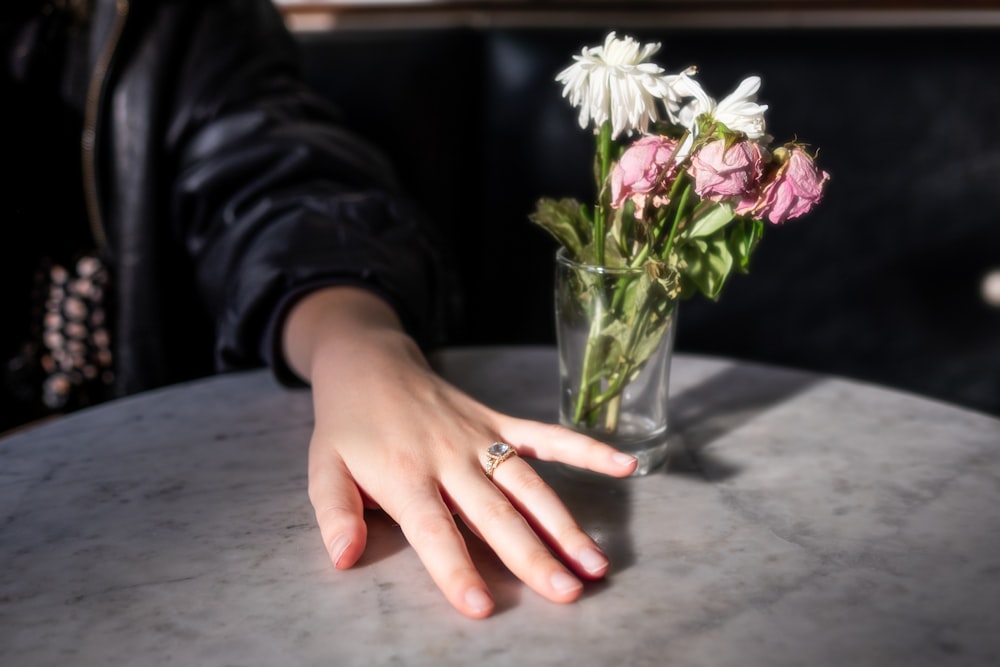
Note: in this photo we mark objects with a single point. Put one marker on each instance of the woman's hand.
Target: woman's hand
(391, 433)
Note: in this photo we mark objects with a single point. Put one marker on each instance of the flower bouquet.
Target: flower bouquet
(684, 185)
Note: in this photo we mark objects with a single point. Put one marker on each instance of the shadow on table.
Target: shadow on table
(720, 404)
(524, 385)
(384, 539)
(602, 507)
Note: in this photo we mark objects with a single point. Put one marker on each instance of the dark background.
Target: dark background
(881, 282)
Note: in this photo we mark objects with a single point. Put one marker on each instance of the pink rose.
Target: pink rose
(645, 169)
(721, 172)
(796, 187)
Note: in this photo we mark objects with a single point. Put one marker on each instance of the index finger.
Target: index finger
(554, 442)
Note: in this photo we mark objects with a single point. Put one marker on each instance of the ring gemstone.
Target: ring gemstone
(500, 449)
(496, 454)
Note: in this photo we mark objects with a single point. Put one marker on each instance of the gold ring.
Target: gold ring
(497, 453)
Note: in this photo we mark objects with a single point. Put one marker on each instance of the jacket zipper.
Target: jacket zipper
(88, 142)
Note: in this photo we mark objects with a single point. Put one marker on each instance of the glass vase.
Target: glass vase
(615, 332)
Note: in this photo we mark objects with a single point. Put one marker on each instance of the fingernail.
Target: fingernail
(623, 459)
(477, 600)
(338, 547)
(564, 583)
(593, 561)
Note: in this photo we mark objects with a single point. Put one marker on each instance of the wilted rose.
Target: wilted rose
(723, 172)
(645, 169)
(796, 187)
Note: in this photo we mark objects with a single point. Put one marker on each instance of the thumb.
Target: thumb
(339, 510)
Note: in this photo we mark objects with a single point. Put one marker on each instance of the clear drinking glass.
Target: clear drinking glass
(615, 331)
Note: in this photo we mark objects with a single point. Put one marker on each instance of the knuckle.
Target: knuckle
(538, 560)
(404, 459)
(500, 512)
(463, 576)
(335, 516)
(529, 482)
(552, 431)
(559, 429)
(572, 537)
(429, 528)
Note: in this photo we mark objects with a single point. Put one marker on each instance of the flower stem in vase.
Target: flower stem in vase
(611, 415)
(608, 367)
(589, 382)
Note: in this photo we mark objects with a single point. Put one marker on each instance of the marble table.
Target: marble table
(801, 520)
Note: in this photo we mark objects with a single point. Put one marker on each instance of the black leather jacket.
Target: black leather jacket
(220, 188)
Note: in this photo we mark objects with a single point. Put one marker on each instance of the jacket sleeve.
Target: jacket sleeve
(274, 196)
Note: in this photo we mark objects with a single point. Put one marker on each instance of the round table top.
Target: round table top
(801, 520)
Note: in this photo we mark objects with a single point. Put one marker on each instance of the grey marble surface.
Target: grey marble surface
(801, 520)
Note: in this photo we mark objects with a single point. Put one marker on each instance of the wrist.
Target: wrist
(337, 321)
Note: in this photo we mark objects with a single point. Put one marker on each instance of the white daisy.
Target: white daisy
(682, 86)
(616, 83)
(738, 111)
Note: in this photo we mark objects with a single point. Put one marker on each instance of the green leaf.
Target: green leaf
(566, 220)
(741, 243)
(710, 220)
(647, 344)
(644, 325)
(707, 269)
